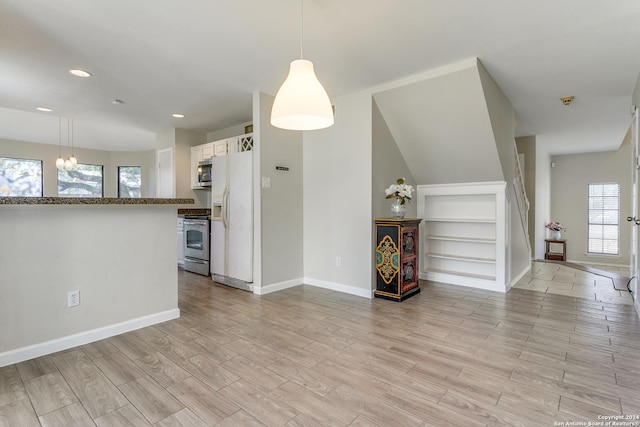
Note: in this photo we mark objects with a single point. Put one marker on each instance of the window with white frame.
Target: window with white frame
(604, 219)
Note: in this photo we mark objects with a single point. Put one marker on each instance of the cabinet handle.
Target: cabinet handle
(634, 220)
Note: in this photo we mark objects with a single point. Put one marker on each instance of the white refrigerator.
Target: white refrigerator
(232, 219)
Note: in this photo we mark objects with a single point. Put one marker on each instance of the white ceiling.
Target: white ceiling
(204, 58)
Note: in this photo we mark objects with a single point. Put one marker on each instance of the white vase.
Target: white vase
(556, 235)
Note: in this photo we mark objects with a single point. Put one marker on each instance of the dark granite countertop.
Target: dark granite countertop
(91, 201)
(194, 211)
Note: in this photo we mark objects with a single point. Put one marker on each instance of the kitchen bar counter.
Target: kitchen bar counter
(91, 201)
(118, 254)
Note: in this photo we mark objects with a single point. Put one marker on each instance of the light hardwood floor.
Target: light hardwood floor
(450, 356)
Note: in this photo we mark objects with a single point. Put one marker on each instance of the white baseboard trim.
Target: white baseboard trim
(599, 264)
(351, 290)
(469, 282)
(36, 350)
(520, 276)
(263, 290)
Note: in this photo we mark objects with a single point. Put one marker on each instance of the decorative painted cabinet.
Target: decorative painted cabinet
(397, 258)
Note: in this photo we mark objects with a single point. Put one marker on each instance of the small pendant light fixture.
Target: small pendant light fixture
(68, 165)
(60, 160)
(73, 159)
(301, 103)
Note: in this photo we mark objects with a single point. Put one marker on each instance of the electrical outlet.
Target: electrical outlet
(73, 298)
(338, 262)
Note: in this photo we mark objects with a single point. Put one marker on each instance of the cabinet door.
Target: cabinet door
(220, 148)
(388, 262)
(196, 157)
(208, 150)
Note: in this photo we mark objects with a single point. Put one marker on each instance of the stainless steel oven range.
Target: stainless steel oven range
(196, 244)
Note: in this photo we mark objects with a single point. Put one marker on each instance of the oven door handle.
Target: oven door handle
(196, 261)
(225, 207)
(195, 222)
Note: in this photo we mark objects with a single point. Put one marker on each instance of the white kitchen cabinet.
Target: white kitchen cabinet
(208, 150)
(180, 242)
(220, 148)
(241, 143)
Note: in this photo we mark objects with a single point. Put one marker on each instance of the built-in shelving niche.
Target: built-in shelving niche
(462, 229)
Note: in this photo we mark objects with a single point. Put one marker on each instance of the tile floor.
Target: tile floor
(556, 279)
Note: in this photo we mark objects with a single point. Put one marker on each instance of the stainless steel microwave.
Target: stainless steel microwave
(204, 173)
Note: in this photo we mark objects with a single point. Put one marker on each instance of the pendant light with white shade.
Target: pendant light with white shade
(301, 103)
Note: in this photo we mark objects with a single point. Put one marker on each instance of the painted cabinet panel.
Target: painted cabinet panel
(396, 260)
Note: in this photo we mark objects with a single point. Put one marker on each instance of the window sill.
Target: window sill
(592, 255)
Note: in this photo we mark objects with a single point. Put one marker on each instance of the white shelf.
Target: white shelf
(463, 220)
(463, 239)
(463, 258)
(459, 273)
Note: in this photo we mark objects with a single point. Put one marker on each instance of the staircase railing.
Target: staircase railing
(521, 194)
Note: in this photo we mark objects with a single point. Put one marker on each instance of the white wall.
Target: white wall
(570, 178)
(441, 125)
(501, 117)
(121, 258)
(229, 132)
(185, 139)
(110, 160)
(387, 166)
(501, 114)
(635, 98)
(279, 208)
(543, 194)
(338, 199)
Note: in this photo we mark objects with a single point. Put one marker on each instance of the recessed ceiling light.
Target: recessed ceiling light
(45, 109)
(117, 102)
(178, 116)
(80, 73)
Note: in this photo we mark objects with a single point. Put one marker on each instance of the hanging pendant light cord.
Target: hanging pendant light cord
(59, 136)
(68, 133)
(301, 27)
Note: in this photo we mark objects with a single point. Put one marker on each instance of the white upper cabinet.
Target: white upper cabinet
(220, 148)
(208, 150)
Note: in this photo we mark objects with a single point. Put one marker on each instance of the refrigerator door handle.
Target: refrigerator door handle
(225, 207)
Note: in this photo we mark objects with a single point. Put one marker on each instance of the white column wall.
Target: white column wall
(337, 199)
(543, 194)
